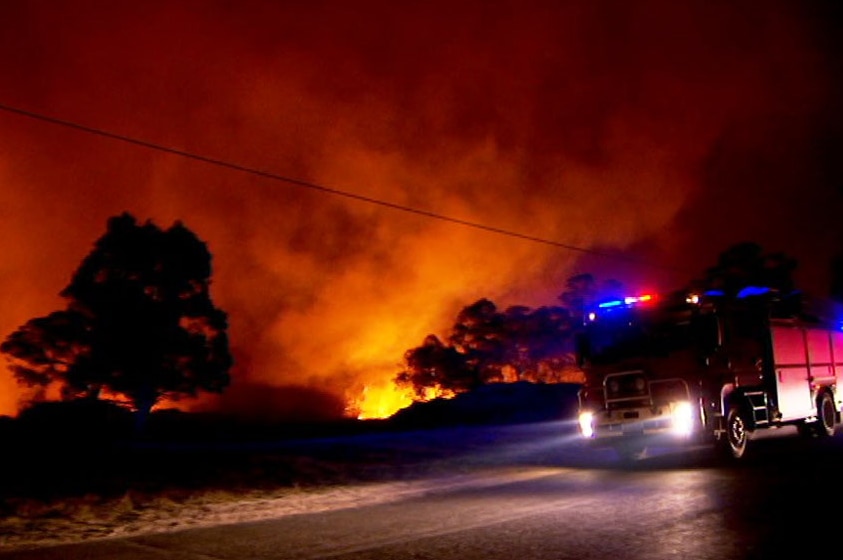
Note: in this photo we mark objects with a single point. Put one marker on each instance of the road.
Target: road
(550, 504)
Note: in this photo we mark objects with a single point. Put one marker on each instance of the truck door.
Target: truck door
(790, 360)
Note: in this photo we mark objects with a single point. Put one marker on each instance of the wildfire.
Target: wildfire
(382, 401)
(329, 291)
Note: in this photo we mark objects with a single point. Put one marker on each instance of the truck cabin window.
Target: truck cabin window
(644, 333)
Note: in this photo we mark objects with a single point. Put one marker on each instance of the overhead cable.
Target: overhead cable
(321, 188)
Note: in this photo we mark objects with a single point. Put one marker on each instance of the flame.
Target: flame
(380, 401)
(431, 393)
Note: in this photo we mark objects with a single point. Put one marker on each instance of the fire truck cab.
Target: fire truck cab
(691, 369)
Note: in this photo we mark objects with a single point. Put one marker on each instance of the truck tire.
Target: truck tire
(735, 441)
(826, 415)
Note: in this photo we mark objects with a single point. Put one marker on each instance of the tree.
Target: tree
(747, 264)
(139, 324)
(437, 368)
(479, 334)
(539, 344)
(582, 290)
(487, 346)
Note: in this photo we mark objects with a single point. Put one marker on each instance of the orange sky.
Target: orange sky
(661, 131)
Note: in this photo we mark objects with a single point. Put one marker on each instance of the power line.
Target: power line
(321, 188)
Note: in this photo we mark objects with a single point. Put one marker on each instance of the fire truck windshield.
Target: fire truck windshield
(635, 332)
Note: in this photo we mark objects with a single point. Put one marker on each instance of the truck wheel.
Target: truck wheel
(826, 415)
(737, 434)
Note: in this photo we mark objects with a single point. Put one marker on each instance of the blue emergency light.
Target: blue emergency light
(624, 302)
(750, 291)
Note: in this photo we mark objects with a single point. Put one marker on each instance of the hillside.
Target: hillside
(76, 450)
(71, 475)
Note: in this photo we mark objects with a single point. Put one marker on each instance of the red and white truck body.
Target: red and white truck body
(698, 369)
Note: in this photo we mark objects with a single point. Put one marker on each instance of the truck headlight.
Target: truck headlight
(586, 420)
(682, 418)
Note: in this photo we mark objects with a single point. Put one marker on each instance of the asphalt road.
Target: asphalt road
(551, 503)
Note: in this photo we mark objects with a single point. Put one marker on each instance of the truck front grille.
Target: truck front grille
(630, 388)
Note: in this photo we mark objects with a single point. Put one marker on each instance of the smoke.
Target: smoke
(616, 127)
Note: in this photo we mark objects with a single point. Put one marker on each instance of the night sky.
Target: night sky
(659, 132)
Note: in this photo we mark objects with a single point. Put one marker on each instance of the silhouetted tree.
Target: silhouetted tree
(538, 344)
(583, 290)
(479, 335)
(434, 366)
(139, 322)
(580, 291)
(747, 264)
(486, 346)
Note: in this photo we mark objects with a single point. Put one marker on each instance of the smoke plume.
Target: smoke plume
(658, 130)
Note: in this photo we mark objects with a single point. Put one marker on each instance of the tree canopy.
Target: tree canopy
(487, 345)
(748, 264)
(139, 324)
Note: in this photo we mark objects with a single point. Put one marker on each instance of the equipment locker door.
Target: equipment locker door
(821, 367)
(837, 354)
(792, 374)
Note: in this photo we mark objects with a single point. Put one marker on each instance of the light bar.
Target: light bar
(629, 300)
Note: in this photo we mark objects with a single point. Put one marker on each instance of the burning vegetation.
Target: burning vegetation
(589, 130)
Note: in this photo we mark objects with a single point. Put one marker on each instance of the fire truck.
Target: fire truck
(689, 369)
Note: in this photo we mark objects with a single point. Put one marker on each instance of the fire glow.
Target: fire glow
(525, 130)
(380, 401)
